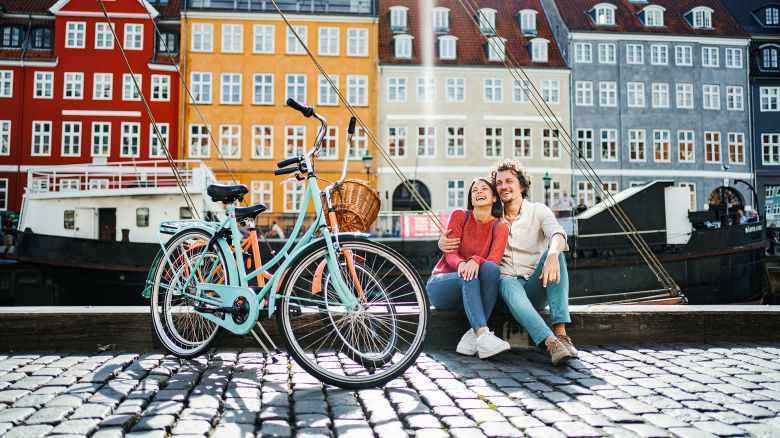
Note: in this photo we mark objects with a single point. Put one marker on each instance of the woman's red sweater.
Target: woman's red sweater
(475, 242)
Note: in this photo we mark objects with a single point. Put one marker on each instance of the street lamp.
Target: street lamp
(368, 164)
(546, 178)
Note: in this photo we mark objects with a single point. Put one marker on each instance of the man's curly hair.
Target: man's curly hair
(516, 167)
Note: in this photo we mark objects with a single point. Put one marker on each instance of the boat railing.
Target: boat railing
(118, 176)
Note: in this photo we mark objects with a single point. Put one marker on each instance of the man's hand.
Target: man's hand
(551, 272)
(446, 244)
(468, 270)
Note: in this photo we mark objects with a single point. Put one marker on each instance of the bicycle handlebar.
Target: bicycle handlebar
(288, 161)
(306, 110)
(285, 171)
(352, 122)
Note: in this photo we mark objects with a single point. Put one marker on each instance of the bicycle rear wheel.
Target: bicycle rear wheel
(365, 346)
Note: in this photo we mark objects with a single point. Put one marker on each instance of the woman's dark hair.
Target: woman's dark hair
(497, 209)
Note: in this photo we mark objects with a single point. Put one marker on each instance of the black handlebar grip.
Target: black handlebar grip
(352, 121)
(286, 170)
(306, 110)
(288, 161)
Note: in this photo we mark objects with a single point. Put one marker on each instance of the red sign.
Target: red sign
(421, 225)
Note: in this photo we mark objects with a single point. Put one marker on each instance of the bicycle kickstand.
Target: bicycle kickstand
(267, 338)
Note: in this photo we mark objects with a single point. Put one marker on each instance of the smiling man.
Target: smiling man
(533, 268)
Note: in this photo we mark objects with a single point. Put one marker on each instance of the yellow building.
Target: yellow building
(242, 65)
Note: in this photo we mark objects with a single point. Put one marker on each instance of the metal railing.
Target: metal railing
(362, 7)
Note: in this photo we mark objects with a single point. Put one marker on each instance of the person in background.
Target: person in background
(741, 217)
(468, 278)
(8, 234)
(277, 230)
(771, 236)
(752, 216)
(564, 206)
(581, 207)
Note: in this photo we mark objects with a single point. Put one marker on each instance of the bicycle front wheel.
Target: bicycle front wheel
(358, 346)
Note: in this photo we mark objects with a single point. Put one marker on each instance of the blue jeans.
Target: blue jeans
(477, 297)
(525, 297)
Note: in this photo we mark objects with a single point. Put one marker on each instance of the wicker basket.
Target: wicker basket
(356, 204)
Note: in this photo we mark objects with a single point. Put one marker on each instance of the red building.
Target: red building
(66, 95)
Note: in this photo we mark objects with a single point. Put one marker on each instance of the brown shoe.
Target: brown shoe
(566, 341)
(558, 352)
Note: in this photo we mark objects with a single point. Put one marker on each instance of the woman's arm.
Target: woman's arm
(455, 225)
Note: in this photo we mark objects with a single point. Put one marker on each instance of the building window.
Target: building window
(129, 90)
(263, 89)
(134, 36)
(659, 54)
(5, 137)
(683, 55)
(71, 139)
(200, 87)
(326, 95)
(585, 192)
(604, 14)
(496, 49)
(551, 146)
(230, 141)
(711, 96)
(262, 193)
(202, 37)
(583, 53)
(130, 141)
(296, 87)
(74, 34)
(662, 145)
(609, 144)
(692, 187)
(733, 58)
(10, 37)
(769, 58)
(583, 93)
(102, 84)
(41, 138)
(4, 194)
(636, 145)
(402, 46)
(448, 47)
(167, 44)
(686, 146)
(709, 57)
(232, 38)
(199, 141)
(770, 144)
(539, 49)
(493, 90)
(654, 16)
(357, 90)
(264, 38)
(494, 142)
(441, 20)
(396, 141)
(69, 185)
(735, 98)
(528, 22)
(521, 90)
(396, 89)
(607, 53)
(330, 144)
(585, 143)
(293, 195)
(161, 88)
(635, 54)
(231, 89)
(636, 94)
(156, 146)
(262, 142)
(73, 86)
(610, 187)
(702, 18)
(684, 96)
(487, 21)
(101, 139)
(6, 83)
(608, 93)
(551, 91)
(712, 146)
(104, 39)
(772, 17)
(456, 89)
(736, 147)
(294, 47)
(660, 95)
(456, 193)
(359, 144)
(44, 85)
(357, 42)
(294, 141)
(328, 41)
(142, 217)
(398, 19)
(456, 142)
(770, 98)
(426, 141)
(521, 139)
(426, 89)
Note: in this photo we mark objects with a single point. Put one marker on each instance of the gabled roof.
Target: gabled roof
(471, 44)
(575, 14)
(744, 12)
(26, 6)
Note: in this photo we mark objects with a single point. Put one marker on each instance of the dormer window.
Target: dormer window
(496, 49)
(42, 38)
(654, 16)
(528, 21)
(398, 15)
(403, 46)
(769, 57)
(10, 36)
(539, 49)
(441, 20)
(447, 47)
(772, 16)
(603, 14)
(487, 21)
(700, 17)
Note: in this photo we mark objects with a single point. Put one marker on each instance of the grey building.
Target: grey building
(659, 90)
(761, 19)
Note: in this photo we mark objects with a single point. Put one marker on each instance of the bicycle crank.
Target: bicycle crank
(238, 308)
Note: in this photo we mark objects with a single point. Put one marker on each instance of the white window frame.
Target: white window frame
(230, 141)
(43, 85)
(455, 89)
(686, 146)
(609, 145)
(259, 80)
(262, 142)
(635, 54)
(75, 34)
(684, 97)
(357, 90)
(735, 98)
(448, 47)
(607, 53)
(586, 142)
(583, 53)
(654, 16)
(635, 94)
(521, 92)
(293, 196)
(104, 38)
(710, 57)
(6, 83)
(134, 36)
(604, 14)
(232, 38)
(294, 140)
(715, 141)
(493, 142)
(710, 96)
(228, 86)
(770, 147)
(493, 90)
(402, 46)
(203, 137)
(455, 141)
(357, 42)
(551, 144)
(263, 41)
(522, 143)
(683, 56)
(426, 141)
(263, 193)
(659, 54)
(397, 140)
(734, 57)
(5, 137)
(73, 85)
(100, 139)
(661, 137)
(161, 88)
(426, 89)
(200, 81)
(129, 91)
(769, 98)
(99, 86)
(701, 17)
(41, 138)
(456, 193)
(396, 89)
(637, 145)
(551, 91)
(539, 50)
(326, 46)
(660, 95)
(496, 49)
(157, 149)
(130, 138)
(583, 93)
(293, 46)
(71, 139)
(608, 95)
(294, 87)
(736, 144)
(326, 95)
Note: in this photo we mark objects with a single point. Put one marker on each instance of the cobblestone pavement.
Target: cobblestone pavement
(681, 390)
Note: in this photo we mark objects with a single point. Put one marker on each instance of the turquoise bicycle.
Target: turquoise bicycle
(352, 312)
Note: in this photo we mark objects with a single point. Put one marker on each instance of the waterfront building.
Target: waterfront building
(659, 91)
(241, 64)
(449, 108)
(761, 19)
(66, 96)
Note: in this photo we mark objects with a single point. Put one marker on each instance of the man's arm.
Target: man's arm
(446, 244)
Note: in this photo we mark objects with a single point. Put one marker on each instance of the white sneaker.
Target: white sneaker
(489, 344)
(468, 344)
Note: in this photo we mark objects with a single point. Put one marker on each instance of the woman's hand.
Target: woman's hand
(468, 270)
(447, 245)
